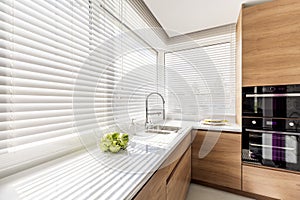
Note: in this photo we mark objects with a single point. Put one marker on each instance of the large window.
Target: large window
(67, 66)
(201, 80)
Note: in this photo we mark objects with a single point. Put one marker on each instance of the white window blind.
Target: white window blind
(61, 69)
(201, 80)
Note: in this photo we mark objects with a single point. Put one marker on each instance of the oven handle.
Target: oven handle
(274, 95)
(272, 132)
(272, 147)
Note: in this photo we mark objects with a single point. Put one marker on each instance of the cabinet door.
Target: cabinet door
(179, 180)
(271, 183)
(155, 189)
(271, 43)
(222, 165)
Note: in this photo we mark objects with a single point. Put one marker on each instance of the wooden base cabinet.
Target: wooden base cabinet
(156, 188)
(173, 178)
(222, 165)
(179, 181)
(272, 183)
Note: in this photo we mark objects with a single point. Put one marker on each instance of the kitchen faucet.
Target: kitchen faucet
(147, 114)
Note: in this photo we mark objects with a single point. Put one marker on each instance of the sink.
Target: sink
(161, 129)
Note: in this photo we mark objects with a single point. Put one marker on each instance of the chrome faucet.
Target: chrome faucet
(163, 100)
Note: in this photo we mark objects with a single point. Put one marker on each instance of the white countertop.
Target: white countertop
(97, 175)
(229, 128)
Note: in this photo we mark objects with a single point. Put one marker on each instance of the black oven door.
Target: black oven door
(274, 148)
(272, 101)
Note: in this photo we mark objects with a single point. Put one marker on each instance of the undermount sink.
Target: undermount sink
(161, 129)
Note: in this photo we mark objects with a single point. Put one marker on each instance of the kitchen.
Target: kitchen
(124, 99)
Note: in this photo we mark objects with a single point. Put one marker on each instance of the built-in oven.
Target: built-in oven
(272, 142)
(271, 101)
(271, 126)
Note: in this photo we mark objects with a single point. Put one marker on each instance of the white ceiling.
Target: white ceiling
(179, 17)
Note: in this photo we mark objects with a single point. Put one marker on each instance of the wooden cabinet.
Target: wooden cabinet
(173, 177)
(269, 182)
(156, 188)
(222, 164)
(179, 180)
(271, 43)
(238, 71)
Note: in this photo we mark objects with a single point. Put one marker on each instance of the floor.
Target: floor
(199, 192)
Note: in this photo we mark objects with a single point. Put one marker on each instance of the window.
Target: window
(67, 67)
(201, 80)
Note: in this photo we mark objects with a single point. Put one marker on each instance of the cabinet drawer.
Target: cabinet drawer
(271, 183)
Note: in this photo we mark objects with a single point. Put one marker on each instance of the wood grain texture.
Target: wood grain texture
(222, 166)
(179, 180)
(272, 183)
(174, 157)
(238, 71)
(156, 187)
(271, 43)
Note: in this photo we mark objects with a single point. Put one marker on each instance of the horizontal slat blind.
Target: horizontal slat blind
(138, 80)
(40, 62)
(201, 80)
(66, 65)
(138, 18)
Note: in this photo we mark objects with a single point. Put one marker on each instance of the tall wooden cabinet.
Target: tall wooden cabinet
(271, 43)
(270, 53)
(222, 164)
